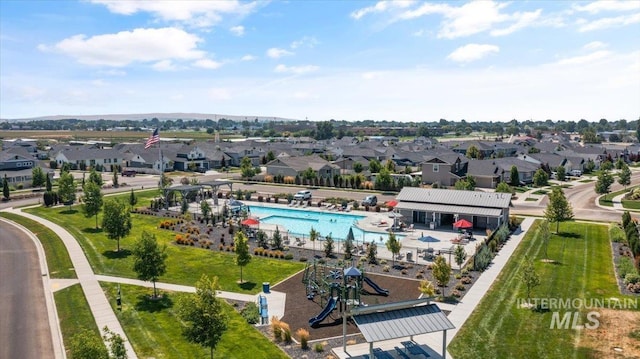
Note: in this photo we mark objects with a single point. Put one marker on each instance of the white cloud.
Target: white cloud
(306, 41)
(98, 82)
(298, 70)
(521, 20)
(584, 59)
(472, 52)
(219, 94)
(608, 5)
(608, 22)
(247, 58)
(208, 64)
(126, 47)
(112, 72)
(276, 53)
(594, 45)
(237, 30)
(164, 65)
(195, 13)
(381, 6)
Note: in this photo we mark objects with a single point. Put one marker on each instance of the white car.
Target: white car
(302, 195)
(575, 173)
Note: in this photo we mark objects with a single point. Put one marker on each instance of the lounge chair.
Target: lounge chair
(410, 228)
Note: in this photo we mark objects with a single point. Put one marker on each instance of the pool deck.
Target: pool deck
(439, 239)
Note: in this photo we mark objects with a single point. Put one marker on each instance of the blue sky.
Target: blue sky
(321, 60)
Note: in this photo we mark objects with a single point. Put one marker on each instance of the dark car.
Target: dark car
(370, 201)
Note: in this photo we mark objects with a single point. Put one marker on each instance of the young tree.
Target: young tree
(6, 193)
(624, 178)
(559, 209)
(503, 187)
(116, 220)
(529, 276)
(427, 288)
(116, 344)
(604, 182)
(246, 168)
(514, 177)
(372, 253)
(149, 259)
(92, 201)
(357, 167)
(37, 177)
(441, 272)
(115, 177)
(276, 240)
(313, 235)
(242, 251)
(473, 152)
(374, 166)
(204, 314)
(86, 345)
(205, 208)
(394, 246)
(48, 184)
(132, 199)
(540, 178)
(460, 255)
(545, 235)
(348, 244)
(561, 173)
(328, 246)
(67, 188)
(95, 177)
(261, 239)
(184, 206)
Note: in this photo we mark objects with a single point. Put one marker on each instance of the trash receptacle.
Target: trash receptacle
(409, 256)
(265, 287)
(432, 225)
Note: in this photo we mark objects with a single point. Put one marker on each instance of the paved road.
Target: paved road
(24, 324)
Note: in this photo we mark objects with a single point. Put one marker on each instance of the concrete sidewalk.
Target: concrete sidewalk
(100, 307)
(460, 312)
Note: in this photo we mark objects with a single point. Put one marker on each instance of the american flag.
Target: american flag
(154, 138)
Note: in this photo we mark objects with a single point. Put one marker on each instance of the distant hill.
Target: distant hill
(149, 116)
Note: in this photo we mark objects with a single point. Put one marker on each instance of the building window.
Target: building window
(436, 168)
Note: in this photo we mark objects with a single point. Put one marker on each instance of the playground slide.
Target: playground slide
(331, 305)
(375, 287)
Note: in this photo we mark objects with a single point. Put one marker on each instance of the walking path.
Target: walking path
(460, 312)
(617, 201)
(96, 298)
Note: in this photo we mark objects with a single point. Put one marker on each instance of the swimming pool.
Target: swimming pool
(299, 222)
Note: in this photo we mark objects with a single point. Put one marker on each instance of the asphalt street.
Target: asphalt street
(24, 324)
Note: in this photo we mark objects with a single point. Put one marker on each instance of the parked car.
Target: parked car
(370, 201)
(575, 173)
(302, 195)
(129, 173)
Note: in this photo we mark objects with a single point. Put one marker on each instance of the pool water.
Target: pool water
(299, 222)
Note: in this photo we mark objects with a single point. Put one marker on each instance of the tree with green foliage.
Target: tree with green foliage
(115, 177)
(545, 234)
(390, 166)
(270, 156)
(184, 206)
(460, 255)
(92, 201)
(624, 177)
(65, 168)
(67, 188)
(241, 243)
(466, 184)
(358, 167)
(6, 193)
(348, 244)
(313, 236)
(205, 208)
(441, 272)
(540, 178)
(427, 288)
(604, 182)
(87, 345)
(132, 199)
(37, 177)
(529, 276)
(95, 177)
(503, 187)
(514, 177)
(394, 246)
(276, 239)
(204, 315)
(328, 246)
(589, 166)
(383, 180)
(374, 166)
(309, 174)
(149, 259)
(261, 239)
(116, 220)
(115, 343)
(606, 166)
(559, 209)
(626, 219)
(561, 173)
(620, 163)
(372, 253)
(473, 152)
(48, 185)
(246, 168)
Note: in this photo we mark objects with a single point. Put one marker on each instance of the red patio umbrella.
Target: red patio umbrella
(463, 223)
(250, 222)
(392, 203)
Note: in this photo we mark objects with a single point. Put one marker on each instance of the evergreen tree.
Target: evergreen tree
(514, 177)
(5, 188)
(328, 246)
(48, 184)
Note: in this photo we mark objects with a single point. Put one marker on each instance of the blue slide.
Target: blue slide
(331, 305)
(375, 287)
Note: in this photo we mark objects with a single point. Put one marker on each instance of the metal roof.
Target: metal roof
(454, 197)
(402, 323)
(445, 208)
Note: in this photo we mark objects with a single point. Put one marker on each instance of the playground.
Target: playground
(310, 296)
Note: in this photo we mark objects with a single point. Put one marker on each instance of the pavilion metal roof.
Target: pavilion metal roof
(454, 197)
(402, 323)
(444, 208)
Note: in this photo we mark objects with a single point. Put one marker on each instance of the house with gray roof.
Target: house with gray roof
(434, 208)
(89, 156)
(294, 166)
(444, 168)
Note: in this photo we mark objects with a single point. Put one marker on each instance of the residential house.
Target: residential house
(445, 168)
(295, 166)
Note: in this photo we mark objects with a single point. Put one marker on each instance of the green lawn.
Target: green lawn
(530, 199)
(606, 200)
(74, 313)
(586, 180)
(627, 204)
(58, 260)
(185, 264)
(499, 328)
(155, 331)
(540, 192)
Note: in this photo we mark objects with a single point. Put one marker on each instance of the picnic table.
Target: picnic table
(414, 348)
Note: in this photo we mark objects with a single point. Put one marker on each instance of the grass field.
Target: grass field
(112, 136)
(74, 313)
(632, 205)
(58, 260)
(185, 264)
(500, 328)
(155, 330)
(607, 199)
